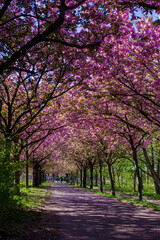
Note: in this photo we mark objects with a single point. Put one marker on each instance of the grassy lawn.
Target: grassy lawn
(33, 197)
(23, 209)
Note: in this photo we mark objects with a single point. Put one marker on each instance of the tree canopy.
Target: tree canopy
(79, 79)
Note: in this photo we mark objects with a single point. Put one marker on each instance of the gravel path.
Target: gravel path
(74, 214)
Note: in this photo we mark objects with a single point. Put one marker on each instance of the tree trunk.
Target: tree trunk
(91, 176)
(27, 169)
(17, 173)
(81, 177)
(104, 180)
(157, 187)
(17, 182)
(147, 177)
(35, 174)
(100, 175)
(53, 177)
(135, 159)
(113, 173)
(72, 178)
(42, 176)
(84, 176)
(96, 176)
(6, 172)
(141, 180)
(27, 176)
(155, 176)
(39, 176)
(67, 178)
(77, 175)
(111, 178)
(134, 182)
(134, 152)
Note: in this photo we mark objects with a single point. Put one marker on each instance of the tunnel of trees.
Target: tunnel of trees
(79, 93)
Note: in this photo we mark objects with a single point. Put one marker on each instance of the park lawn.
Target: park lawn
(23, 209)
(33, 197)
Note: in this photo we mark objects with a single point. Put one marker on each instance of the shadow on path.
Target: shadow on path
(84, 215)
(74, 214)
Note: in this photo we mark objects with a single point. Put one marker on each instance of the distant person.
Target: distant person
(61, 179)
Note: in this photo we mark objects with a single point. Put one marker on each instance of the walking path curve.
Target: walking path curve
(81, 215)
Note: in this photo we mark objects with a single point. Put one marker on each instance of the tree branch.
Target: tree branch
(141, 4)
(34, 41)
(90, 45)
(4, 8)
(75, 6)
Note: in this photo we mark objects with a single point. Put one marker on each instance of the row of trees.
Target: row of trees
(118, 168)
(83, 73)
(122, 177)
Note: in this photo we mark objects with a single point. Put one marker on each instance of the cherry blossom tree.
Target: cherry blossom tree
(50, 47)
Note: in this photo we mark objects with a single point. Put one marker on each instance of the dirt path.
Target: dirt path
(75, 214)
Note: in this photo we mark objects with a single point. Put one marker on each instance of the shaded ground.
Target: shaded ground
(72, 213)
(47, 226)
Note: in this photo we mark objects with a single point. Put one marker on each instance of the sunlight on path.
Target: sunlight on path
(87, 216)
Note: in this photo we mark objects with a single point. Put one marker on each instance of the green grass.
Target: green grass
(33, 197)
(22, 209)
(150, 194)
